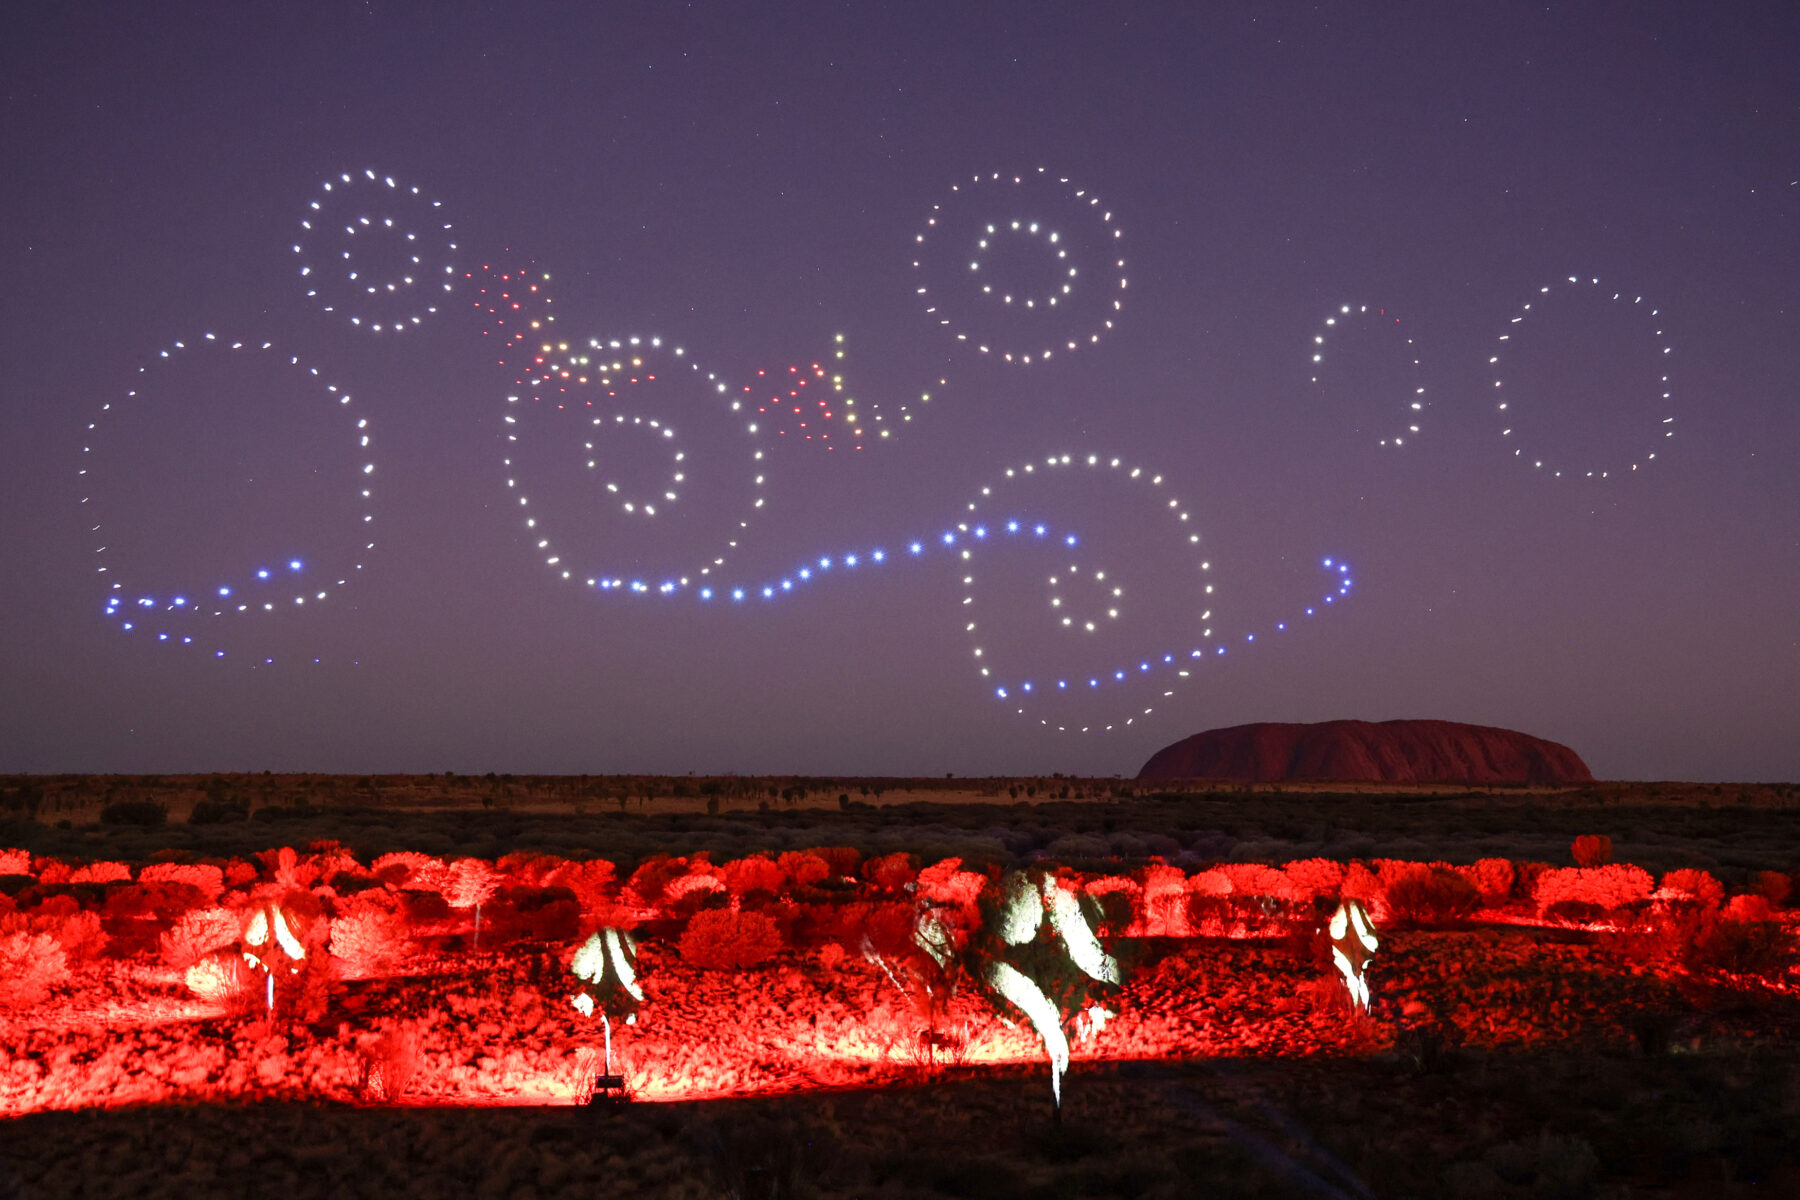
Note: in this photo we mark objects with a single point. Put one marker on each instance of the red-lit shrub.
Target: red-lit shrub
(197, 933)
(1689, 885)
(1591, 850)
(840, 861)
(1166, 902)
(471, 882)
(1259, 882)
(369, 939)
(547, 914)
(411, 871)
(1121, 903)
(593, 883)
(688, 894)
(205, 878)
(652, 878)
(1315, 878)
(1749, 907)
(1492, 877)
(528, 867)
(15, 862)
(757, 873)
(289, 870)
(79, 934)
(1598, 890)
(1431, 897)
(101, 872)
(153, 901)
(882, 927)
(803, 868)
(891, 872)
(1362, 884)
(329, 859)
(1762, 950)
(30, 965)
(946, 883)
(389, 1061)
(720, 940)
(1774, 886)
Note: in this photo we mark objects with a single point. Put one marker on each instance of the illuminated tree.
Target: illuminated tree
(1037, 955)
(606, 965)
(471, 881)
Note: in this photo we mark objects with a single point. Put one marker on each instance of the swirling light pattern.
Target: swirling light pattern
(615, 398)
(1511, 407)
(1022, 267)
(378, 218)
(300, 571)
(1408, 408)
(1117, 660)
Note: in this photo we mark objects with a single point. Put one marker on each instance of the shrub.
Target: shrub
(1166, 902)
(1692, 886)
(1432, 896)
(1749, 907)
(803, 868)
(15, 862)
(1759, 949)
(592, 883)
(891, 872)
(1492, 877)
(653, 876)
(30, 965)
(1607, 888)
(206, 878)
(528, 866)
(689, 894)
(80, 935)
(757, 873)
(134, 812)
(946, 883)
(218, 812)
(368, 939)
(721, 940)
(152, 901)
(1592, 850)
(1260, 882)
(101, 872)
(1313, 878)
(839, 860)
(1774, 886)
(883, 926)
(1362, 884)
(196, 934)
(411, 871)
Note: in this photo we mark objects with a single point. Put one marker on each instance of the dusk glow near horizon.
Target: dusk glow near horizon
(998, 378)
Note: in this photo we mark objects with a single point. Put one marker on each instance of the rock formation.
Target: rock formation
(1368, 752)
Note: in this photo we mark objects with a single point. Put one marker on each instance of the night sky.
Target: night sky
(753, 183)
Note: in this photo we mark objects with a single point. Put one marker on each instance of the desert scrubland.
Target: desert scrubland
(1587, 991)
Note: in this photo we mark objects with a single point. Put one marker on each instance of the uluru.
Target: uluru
(1368, 752)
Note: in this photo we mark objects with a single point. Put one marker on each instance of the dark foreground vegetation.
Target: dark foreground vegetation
(1716, 1123)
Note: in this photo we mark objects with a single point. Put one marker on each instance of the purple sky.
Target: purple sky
(748, 183)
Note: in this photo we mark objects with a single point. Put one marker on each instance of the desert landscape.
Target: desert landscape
(1577, 990)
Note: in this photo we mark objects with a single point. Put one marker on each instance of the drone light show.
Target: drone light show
(915, 600)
